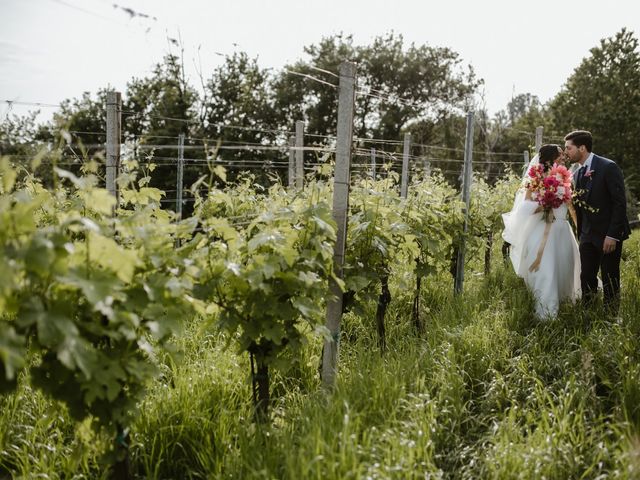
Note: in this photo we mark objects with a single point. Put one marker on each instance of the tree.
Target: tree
(157, 110)
(400, 88)
(237, 109)
(515, 126)
(521, 107)
(85, 117)
(23, 138)
(397, 86)
(21, 135)
(603, 96)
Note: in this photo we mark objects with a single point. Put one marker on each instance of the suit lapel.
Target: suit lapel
(594, 165)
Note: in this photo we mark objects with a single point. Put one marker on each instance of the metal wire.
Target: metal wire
(310, 77)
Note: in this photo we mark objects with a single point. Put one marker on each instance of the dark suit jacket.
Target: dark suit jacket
(604, 193)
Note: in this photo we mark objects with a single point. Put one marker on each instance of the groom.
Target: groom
(602, 219)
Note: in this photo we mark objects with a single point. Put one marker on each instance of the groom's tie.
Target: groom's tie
(581, 173)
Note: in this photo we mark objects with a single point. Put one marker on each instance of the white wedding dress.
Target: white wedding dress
(557, 277)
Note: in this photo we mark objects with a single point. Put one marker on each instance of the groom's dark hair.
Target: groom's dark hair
(581, 137)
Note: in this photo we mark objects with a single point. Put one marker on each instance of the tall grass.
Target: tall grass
(486, 392)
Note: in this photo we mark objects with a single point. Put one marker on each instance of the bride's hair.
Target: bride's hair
(548, 154)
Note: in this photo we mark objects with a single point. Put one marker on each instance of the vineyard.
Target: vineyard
(128, 338)
(348, 324)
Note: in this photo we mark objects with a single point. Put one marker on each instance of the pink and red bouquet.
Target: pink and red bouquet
(550, 189)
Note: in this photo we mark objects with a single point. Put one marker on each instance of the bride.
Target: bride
(544, 252)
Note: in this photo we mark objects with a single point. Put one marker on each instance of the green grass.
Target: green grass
(486, 392)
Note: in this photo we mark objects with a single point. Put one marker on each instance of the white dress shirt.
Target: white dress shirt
(587, 162)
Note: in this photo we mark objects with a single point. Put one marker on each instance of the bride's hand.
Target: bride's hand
(539, 209)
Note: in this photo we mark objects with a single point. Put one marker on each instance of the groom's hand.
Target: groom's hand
(609, 245)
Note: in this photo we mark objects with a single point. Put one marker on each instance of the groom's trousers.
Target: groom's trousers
(592, 260)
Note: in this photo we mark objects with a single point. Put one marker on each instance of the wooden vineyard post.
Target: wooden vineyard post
(180, 175)
(114, 119)
(539, 131)
(466, 198)
(299, 154)
(179, 182)
(346, 103)
(292, 162)
(404, 187)
(427, 168)
(373, 164)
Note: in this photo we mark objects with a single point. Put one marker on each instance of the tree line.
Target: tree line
(419, 89)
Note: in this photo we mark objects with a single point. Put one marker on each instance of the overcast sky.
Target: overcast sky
(55, 49)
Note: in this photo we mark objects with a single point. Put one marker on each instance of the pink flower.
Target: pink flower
(550, 190)
(588, 173)
(537, 171)
(551, 182)
(561, 172)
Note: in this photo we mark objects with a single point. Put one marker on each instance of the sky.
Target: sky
(56, 49)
